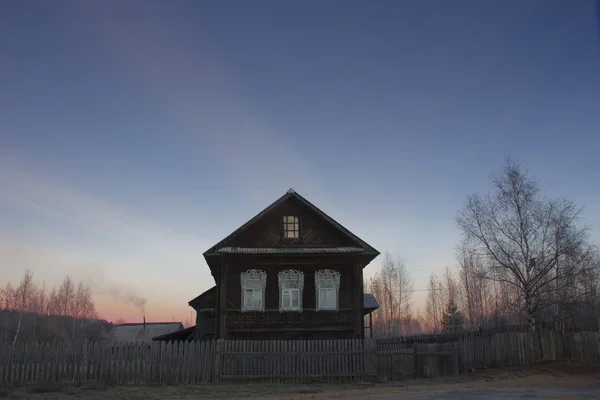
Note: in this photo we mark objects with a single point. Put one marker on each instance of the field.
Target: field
(557, 380)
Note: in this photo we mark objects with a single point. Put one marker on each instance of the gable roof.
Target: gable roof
(208, 294)
(370, 303)
(362, 246)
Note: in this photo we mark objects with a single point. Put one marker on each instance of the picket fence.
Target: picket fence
(224, 361)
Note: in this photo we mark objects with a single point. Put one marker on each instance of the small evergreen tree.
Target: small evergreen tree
(453, 319)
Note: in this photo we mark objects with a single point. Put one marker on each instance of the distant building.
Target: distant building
(142, 332)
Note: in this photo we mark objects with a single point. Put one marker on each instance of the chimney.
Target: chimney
(144, 322)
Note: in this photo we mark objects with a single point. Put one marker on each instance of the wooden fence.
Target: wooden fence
(524, 348)
(280, 361)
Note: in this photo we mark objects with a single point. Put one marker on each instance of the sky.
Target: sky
(135, 135)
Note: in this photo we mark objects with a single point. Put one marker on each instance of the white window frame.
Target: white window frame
(333, 279)
(247, 277)
(294, 276)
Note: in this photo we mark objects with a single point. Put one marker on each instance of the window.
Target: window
(327, 294)
(327, 284)
(291, 227)
(253, 294)
(291, 283)
(290, 299)
(253, 284)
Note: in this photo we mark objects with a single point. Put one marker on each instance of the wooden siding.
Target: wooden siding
(346, 322)
(205, 327)
(268, 230)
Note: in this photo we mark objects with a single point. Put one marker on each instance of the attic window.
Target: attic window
(291, 227)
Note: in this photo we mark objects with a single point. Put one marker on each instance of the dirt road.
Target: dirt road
(556, 381)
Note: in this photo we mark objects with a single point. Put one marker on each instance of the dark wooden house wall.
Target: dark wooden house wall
(346, 322)
(206, 311)
(205, 326)
(272, 289)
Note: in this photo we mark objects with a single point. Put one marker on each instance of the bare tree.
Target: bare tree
(392, 286)
(526, 237)
(450, 288)
(42, 300)
(475, 289)
(47, 314)
(53, 307)
(7, 297)
(78, 304)
(66, 297)
(435, 303)
(24, 294)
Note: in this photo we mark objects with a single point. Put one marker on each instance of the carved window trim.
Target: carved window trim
(254, 275)
(290, 275)
(327, 277)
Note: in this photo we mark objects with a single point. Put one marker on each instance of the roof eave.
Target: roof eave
(324, 254)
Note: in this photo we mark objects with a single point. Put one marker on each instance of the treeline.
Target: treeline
(524, 260)
(31, 312)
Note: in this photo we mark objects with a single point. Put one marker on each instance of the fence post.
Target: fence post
(416, 360)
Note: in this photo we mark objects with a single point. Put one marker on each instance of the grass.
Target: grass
(46, 387)
(5, 392)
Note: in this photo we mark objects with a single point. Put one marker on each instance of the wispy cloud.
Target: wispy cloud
(27, 187)
(194, 82)
(152, 249)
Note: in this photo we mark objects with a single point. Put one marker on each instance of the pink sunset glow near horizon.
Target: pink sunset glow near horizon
(113, 310)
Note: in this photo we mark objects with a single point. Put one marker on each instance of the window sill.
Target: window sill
(290, 310)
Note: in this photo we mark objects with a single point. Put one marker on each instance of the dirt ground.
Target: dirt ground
(549, 381)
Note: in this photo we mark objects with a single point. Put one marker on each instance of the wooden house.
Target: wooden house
(291, 272)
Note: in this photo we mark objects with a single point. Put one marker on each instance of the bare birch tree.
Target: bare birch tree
(435, 303)
(392, 287)
(525, 236)
(65, 297)
(476, 291)
(23, 294)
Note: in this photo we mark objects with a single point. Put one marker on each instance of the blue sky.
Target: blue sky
(134, 135)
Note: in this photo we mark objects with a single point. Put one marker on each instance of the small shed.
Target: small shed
(370, 304)
(142, 332)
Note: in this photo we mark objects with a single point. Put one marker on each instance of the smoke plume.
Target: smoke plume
(128, 296)
(103, 284)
